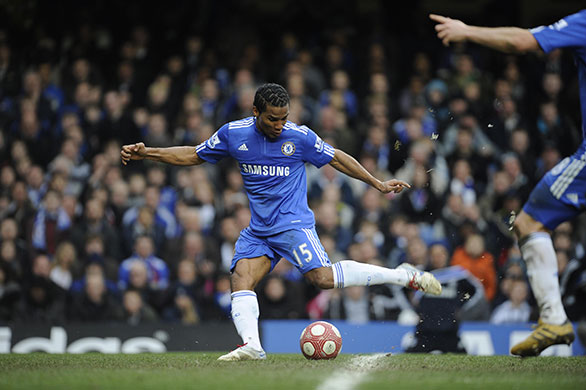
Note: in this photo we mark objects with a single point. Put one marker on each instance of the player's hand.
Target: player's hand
(393, 185)
(132, 152)
(449, 30)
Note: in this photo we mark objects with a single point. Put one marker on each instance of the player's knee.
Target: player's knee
(323, 283)
(321, 277)
(241, 281)
(519, 229)
(524, 225)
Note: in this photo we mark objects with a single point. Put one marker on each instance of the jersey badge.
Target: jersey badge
(288, 148)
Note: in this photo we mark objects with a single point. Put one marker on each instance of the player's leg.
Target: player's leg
(304, 250)
(245, 311)
(539, 255)
(550, 203)
(348, 273)
(250, 264)
(542, 269)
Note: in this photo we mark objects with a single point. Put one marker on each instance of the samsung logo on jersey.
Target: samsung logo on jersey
(264, 170)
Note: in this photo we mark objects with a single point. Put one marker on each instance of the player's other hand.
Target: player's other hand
(132, 152)
(449, 30)
(393, 185)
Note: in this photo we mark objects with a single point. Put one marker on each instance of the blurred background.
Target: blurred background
(85, 240)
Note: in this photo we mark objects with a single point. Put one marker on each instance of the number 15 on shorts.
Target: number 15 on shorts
(305, 254)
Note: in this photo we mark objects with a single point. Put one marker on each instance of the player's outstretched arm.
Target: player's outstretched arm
(176, 155)
(505, 39)
(348, 165)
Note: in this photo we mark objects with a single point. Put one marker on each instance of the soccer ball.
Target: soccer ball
(320, 340)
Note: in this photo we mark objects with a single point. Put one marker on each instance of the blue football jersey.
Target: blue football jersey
(273, 171)
(569, 32)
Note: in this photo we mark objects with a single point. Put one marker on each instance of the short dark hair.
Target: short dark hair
(270, 93)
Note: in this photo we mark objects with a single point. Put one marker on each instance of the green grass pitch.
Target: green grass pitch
(282, 371)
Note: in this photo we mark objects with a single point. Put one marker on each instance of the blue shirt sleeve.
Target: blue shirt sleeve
(315, 150)
(216, 147)
(567, 32)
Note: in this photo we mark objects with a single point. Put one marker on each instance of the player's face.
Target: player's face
(271, 121)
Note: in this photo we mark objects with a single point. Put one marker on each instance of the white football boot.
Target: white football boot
(243, 352)
(422, 281)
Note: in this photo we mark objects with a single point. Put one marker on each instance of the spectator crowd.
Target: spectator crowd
(84, 239)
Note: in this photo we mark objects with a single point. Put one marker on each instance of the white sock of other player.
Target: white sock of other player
(352, 273)
(537, 250)
(245, 314)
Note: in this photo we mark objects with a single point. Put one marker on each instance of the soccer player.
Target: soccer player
(561, 193)
(271, 154)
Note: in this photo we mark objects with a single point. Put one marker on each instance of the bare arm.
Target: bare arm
(505, 39)
(348, 165)
(175, 155)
